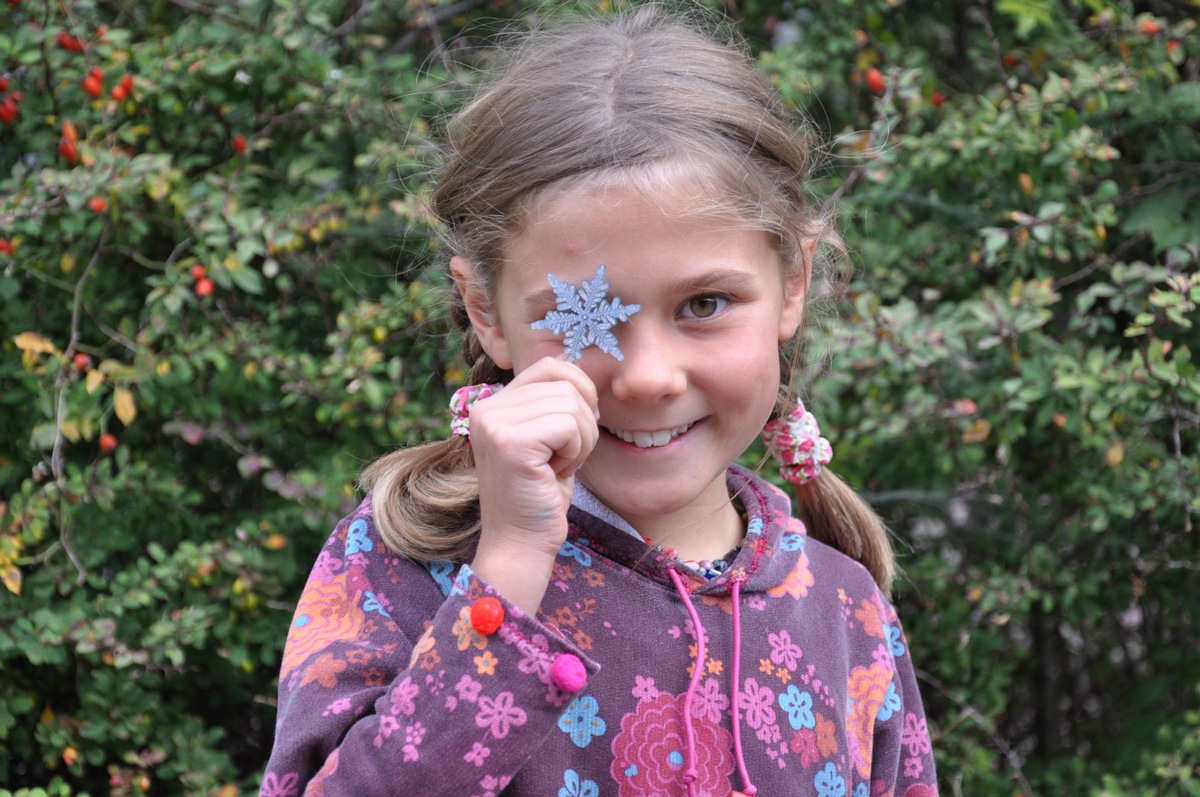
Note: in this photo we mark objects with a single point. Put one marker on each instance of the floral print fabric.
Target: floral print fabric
(386, 689)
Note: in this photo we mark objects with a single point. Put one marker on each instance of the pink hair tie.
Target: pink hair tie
(460, 406)
(796, 442)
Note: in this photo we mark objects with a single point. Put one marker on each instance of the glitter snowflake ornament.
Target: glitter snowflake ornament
(585, 316)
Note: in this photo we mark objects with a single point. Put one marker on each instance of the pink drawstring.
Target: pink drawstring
(749, 789)
(689, 777)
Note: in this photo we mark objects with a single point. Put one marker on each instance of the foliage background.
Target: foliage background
(1009, 377)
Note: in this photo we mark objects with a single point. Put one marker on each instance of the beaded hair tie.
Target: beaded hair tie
(795, 440)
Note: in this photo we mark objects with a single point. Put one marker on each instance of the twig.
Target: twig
(971, 712)
(430, 20)
(1177, 455)
(873, 144)
(60, 410)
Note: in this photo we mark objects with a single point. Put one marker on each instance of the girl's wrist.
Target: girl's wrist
(519, 573)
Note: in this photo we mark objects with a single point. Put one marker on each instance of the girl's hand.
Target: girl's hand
(528, 441)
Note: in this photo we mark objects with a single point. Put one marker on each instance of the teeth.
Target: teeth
(649, 439)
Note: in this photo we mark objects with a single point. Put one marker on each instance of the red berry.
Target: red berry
(1150, 27)
(66, 148)
(81, 361)
(238, 143)
(875, 81)
(123, 88)
(938, 99)
(199, 272)
(204, 287)
(98, 204)
(1009, 60)
(92, 86)
(6, 246)
(8, 110)
(69, 43)
(108, 443)
(1172, 46)
(3, 84)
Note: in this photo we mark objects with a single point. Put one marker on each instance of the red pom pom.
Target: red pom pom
(486, 615)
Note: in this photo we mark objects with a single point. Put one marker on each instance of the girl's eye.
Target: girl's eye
(704, 306)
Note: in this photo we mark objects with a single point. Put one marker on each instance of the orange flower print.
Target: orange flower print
(485, 664)
(867, 688)
(797, 582)
(324, 671)
(826, 737)
(423, 646)
(466, 633)
(868, 614)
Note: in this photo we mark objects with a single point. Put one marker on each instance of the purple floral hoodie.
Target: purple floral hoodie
(387, 689)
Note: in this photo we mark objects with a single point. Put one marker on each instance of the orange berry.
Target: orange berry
(238, 143)
(1150, 27)
(108, 443)
(123, 88)
(204, 288)
(81, 361)
(199, 272)
(98, 204)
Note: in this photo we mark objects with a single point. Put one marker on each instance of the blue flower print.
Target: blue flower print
(798, 706)
(575, 552)
(895, 643)
(357, 539)
(861, 790)
(440, 572)
(891, 703)
(829, 783)
(792, 542)
(582, 721)
(371, 604)
(575, 786)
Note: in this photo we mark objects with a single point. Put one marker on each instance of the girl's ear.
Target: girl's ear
(479, 310)
(795, 293)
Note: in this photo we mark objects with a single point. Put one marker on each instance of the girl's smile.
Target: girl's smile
(701, 368)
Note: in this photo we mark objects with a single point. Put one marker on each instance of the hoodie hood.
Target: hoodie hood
(770, 552)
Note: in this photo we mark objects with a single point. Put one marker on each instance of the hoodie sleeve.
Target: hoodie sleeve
(386, 688)
(902, 763)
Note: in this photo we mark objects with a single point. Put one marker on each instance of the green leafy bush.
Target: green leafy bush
(218, 303)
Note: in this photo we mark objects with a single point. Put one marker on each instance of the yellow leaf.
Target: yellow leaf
(124, 406)
(11, 576)
(1115, 455)
(95, 378)
(1026, 183)
(70, 430)
(66, 263)
(34, 343)
(978, 431)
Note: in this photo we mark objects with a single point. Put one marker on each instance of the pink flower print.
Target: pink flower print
(882, 657)
(913, 767)
(468, 688)
(756, 602)
(535, 658)
(415, 733)
(708, 702)
(804, 744)
(757, 702)
(644, 688)
(915, 735)
(387, 726)
(275, 786)
(402, 698)
(337, 707)
(769, 734)
(499, 715)
(327, 566)
(478, 754)
(783, 650)
(648, 752)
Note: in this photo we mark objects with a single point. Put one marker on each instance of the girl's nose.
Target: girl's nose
(653, 368)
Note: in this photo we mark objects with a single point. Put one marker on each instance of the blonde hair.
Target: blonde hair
(596, 101)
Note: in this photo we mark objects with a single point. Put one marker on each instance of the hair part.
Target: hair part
(592, 102)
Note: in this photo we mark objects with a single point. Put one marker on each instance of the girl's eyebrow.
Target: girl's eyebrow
(725, 278)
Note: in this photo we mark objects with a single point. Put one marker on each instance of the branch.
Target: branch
(873, 144)
(973, 713)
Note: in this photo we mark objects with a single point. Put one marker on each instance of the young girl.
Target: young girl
(578, 593)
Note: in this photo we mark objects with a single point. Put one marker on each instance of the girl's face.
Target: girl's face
(701, 367)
